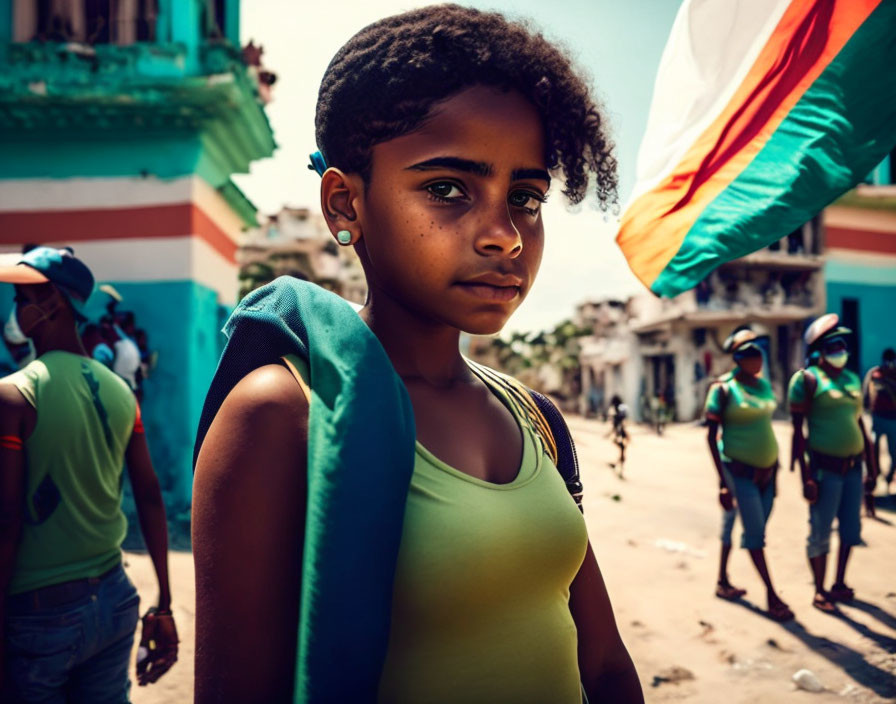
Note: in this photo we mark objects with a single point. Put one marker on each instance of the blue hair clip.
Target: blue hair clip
(318, 163)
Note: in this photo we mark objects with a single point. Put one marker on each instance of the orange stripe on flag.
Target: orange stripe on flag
(808, 37)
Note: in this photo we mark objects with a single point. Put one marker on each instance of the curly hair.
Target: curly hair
(384, 82)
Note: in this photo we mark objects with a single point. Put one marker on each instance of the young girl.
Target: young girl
(374, 519)
(741, 403)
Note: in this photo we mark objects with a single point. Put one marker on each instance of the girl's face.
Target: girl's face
(750, 362)
(451, 224)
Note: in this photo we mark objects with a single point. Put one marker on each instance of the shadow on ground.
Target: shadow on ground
(850, 661)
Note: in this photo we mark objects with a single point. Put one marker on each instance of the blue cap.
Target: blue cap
(48, 265)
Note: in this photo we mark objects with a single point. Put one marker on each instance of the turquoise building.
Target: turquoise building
(121, 124)
(860, 263)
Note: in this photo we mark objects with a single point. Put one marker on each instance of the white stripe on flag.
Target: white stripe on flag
(711, 48)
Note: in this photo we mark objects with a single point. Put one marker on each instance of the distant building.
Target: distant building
(649, 347)
(121, 124)
(297, 242)
(609, 357)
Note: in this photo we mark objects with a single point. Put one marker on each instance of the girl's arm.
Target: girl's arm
(248, 533)
(607, 671)
(870, 458)
(798, 456)
(712, 438)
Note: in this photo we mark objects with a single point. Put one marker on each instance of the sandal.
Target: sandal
(729, 592)
(840, 592)
(822, 602)
(780, 612)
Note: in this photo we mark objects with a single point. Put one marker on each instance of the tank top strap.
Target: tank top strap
(299, 369)
(518, 395)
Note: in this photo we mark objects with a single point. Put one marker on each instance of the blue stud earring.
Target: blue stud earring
(344, 237)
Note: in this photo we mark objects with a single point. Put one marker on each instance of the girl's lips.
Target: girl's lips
(488, 292)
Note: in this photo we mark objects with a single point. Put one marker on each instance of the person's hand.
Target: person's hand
(870, 483)
(810, 491)
(158, 646)
(726, 499)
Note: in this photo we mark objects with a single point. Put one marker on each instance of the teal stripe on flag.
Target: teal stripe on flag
(834, 136)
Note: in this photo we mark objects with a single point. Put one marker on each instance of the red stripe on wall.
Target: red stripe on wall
(860, 240)
(178, 220)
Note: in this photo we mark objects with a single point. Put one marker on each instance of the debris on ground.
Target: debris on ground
(678, 546)
(672, 675)
(806, 679)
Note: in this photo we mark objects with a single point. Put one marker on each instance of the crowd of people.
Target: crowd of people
(830, 447)
(114, 340)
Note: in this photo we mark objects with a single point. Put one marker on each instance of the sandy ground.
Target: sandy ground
(656, 537)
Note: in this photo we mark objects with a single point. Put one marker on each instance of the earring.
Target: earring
(344, 237)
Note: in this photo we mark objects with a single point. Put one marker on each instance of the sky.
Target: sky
(616, 44)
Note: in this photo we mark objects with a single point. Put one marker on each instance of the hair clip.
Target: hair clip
(318, 163)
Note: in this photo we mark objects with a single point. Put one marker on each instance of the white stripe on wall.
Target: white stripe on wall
(50, 194)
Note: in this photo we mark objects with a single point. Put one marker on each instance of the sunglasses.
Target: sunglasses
(836, 344)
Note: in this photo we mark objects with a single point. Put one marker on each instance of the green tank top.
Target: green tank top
(833, 411)
(480, 608)
(745, 414)
(73, 524)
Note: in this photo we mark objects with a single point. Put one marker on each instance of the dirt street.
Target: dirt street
(656, 537)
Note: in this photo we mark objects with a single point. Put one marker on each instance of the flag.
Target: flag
(763, 113)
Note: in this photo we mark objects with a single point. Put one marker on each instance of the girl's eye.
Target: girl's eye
(527, 200)
(445, 191)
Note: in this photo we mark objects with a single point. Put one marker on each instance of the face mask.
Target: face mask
(837, 360)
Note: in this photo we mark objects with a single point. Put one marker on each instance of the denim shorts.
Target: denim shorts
(76, 651)
(754, 506)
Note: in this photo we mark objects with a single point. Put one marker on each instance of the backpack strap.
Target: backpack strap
(723, 390)
(810, 382)
(548, 423)
(567, 461)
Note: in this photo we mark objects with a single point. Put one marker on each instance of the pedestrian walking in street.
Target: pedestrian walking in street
(376, 518)
(880, 400)
(618, 415)
(741, 403)
(68, 425)
(829, 397)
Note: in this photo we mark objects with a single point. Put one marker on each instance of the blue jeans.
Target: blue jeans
(77, 651)
(886, 428)
(754, 506)
(839, 496)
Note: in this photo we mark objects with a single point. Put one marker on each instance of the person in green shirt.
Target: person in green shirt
(68, 425)
(439, 131)
(829, 398)
(741, 403)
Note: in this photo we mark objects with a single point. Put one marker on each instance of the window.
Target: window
(87, 21)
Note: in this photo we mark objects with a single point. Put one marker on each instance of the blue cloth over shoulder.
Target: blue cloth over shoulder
(361, 456)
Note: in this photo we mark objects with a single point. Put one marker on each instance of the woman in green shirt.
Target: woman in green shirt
(829, 397)
(741, 402)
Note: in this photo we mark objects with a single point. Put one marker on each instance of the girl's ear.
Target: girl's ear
(339, 195)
